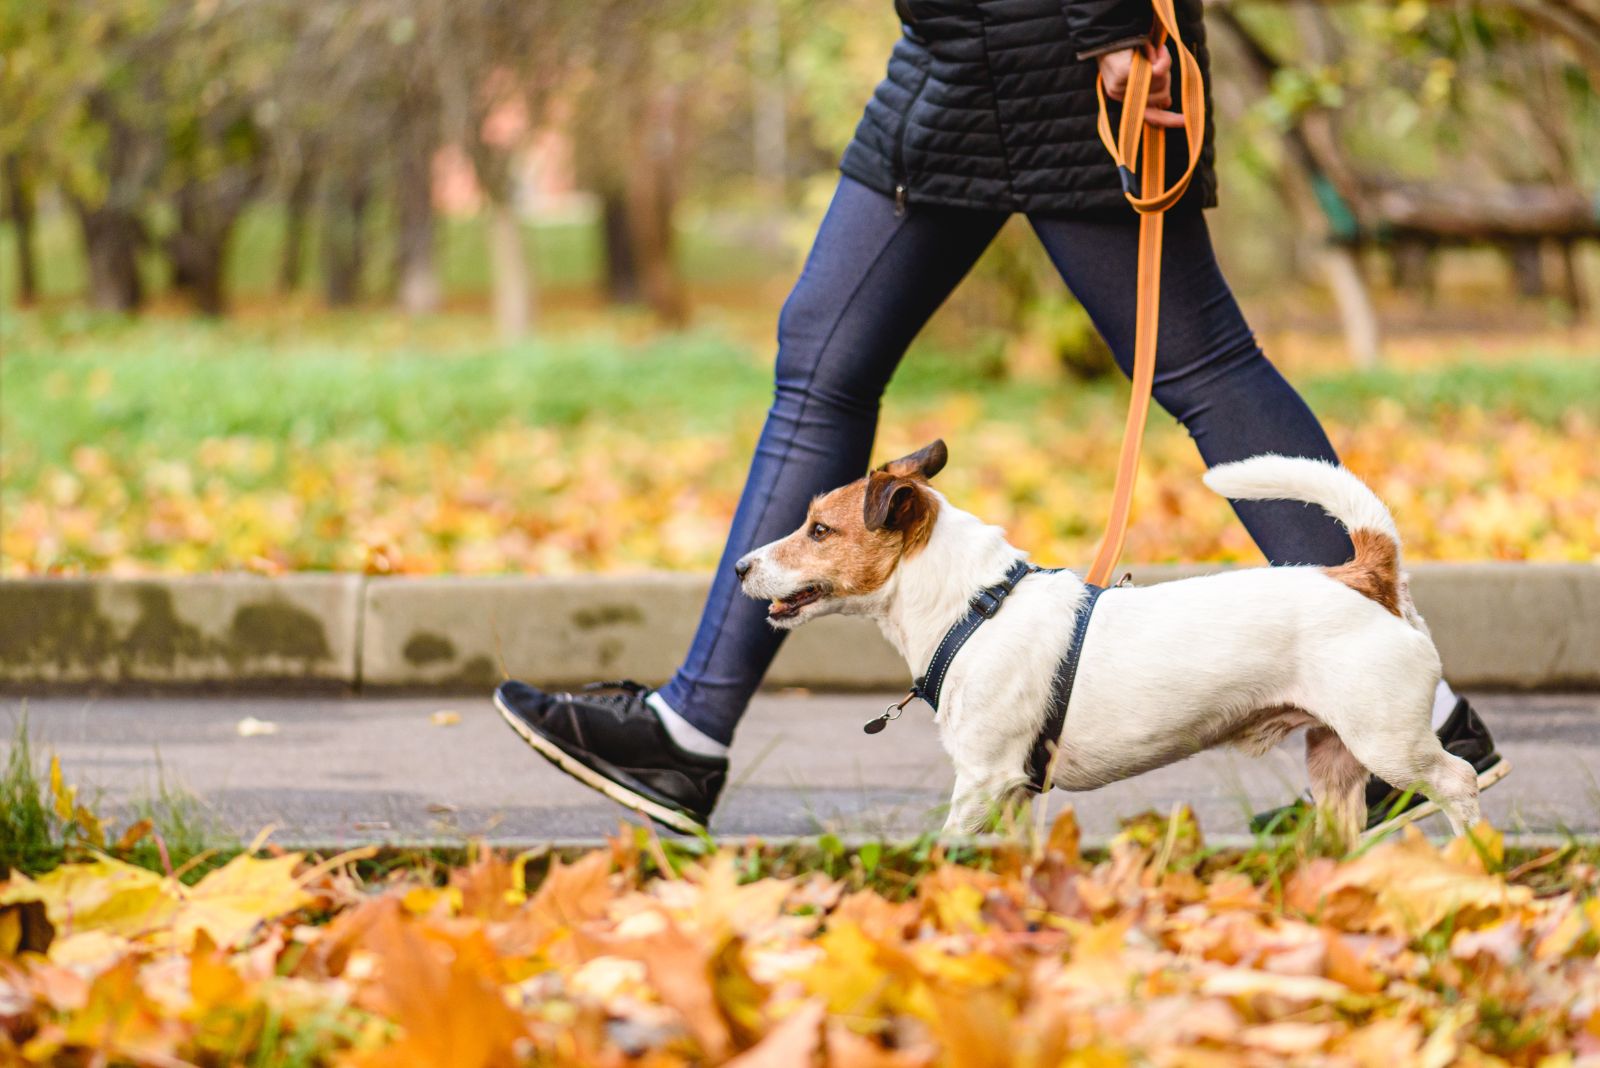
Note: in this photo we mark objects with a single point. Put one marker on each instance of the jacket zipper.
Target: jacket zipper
(900, 164)
(900, 175)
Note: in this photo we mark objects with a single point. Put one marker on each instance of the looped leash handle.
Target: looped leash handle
(1134, 138)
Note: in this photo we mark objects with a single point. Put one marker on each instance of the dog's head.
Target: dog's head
(850, 543)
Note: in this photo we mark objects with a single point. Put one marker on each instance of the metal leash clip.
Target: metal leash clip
(873, 726)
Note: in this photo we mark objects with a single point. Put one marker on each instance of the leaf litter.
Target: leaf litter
(1162, 952)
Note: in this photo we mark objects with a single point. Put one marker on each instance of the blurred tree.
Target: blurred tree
(650, 91)
(499, 70)
(21, 209)
(218, 62)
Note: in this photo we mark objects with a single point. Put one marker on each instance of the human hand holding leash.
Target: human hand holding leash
(1115, 68)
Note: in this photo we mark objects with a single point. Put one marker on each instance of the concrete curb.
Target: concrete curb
(206, 629)
(1498, 626)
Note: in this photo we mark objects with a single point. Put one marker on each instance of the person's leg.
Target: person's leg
(871, 281)
(1210, 373)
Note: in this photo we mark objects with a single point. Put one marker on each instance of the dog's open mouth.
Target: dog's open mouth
(789, 607)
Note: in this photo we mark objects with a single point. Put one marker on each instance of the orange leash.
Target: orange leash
(1151, 204)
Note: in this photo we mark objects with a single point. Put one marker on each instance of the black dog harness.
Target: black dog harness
(982, 608)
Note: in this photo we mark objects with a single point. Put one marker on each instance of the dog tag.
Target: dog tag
(873, 726)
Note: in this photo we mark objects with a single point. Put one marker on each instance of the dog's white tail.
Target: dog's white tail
(1375, 571)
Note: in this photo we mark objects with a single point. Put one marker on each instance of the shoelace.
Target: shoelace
(631, 691)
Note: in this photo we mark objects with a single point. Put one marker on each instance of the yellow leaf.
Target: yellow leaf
(1408, 886)
(98, 895)
(1564, 936)
(849, 978)
(1482, 848)
(93, 832)
(230, 902)
(420, 900)
(64, 797)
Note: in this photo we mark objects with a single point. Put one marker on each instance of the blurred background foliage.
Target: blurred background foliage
(364, 283)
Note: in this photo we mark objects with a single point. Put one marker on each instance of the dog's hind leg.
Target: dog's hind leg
(1421, 763)
(1338, 783)
(1452, 784)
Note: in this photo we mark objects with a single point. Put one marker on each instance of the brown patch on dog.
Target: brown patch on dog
(924, 463)
(899, 504)
(1374, 572)
(849, 560)
(872, 524)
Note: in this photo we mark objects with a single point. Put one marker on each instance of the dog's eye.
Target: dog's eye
(820, 531)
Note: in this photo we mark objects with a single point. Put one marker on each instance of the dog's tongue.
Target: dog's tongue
(784, 607)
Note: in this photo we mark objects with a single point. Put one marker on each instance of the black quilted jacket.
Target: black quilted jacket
(991, 104)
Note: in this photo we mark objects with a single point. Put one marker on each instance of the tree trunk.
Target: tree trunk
(770, 113)
(623, 283)
(344, 216)
(1356, 313)
(1572, 280)
(513, 299)
(1527, 265)
(415, 264)
(652, 199)
(111, 240)
(1314, 159)
(20, 208)
(296, 212)
(199, 255)
(208, 210)
(1412, 263)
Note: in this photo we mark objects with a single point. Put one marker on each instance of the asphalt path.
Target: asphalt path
(335, 770)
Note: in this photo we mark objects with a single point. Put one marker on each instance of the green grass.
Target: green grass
(28, 833)
(184, 835)
(1539, 387)
(70, 378)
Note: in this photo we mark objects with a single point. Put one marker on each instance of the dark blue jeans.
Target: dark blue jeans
(870, 283)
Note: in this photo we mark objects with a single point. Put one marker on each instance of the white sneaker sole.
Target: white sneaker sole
(594, 780)
(1486, 779)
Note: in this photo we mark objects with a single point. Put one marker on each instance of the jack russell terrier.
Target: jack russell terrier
(1162, 672)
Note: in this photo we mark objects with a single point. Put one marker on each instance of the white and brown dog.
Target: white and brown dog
(1240, 658)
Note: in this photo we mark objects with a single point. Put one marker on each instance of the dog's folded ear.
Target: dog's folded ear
(924, 463)
(893, 503)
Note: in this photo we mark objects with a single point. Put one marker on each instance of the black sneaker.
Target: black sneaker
(1463, 734)
(607, 738)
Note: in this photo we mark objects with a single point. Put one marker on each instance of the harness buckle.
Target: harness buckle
(988, 601)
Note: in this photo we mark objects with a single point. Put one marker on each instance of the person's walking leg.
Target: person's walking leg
(1210, 373)
(871, 281)
(1213, 377)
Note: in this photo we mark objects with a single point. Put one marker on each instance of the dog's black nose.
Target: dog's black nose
(742, 568)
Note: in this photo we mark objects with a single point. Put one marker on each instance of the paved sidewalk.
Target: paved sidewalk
(354, 769)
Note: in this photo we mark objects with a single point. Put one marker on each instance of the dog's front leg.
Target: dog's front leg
(976, 802)
(969, 806)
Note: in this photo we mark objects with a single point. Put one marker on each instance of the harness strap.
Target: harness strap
(983, 607)
(1151, 202)
(1055, 721)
